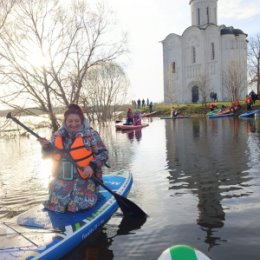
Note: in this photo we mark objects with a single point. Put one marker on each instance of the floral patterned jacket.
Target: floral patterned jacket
(92, 141)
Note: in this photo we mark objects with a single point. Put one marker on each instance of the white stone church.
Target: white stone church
(201, 60)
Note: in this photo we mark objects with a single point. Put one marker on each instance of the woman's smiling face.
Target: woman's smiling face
(73, 122)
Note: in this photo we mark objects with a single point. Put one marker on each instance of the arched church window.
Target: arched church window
(193, 49)
(173, 67)
(198, 16)
(207, 14)
(212, 51)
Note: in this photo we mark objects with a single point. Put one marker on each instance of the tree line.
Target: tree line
(53, 54)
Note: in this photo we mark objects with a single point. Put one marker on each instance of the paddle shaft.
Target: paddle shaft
(19, 233)
(22, 125)
(128, 207)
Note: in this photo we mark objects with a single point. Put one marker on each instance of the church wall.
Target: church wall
(172, 53)
(213, 60)
(206, 69)
(193, 57)
(234, 51)
(198, 58)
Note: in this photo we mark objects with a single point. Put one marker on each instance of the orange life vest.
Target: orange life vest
(211, 106)
(78, 152)
(248, 100)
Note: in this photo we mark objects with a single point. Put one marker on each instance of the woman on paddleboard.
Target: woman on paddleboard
(78, 153)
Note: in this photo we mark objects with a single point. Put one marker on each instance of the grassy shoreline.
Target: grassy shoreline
(162, 109)
(193, 110)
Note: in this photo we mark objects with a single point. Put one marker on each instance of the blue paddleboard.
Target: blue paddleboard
(221, 115)
(42, 234)
(248, 113)
(257, 113)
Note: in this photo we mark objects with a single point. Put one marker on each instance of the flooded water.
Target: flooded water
(197, 179)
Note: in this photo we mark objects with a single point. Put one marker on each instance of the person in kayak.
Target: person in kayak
(212, 106)
(249, 102)
(129, 117)
(137, 120)
(174, 113)
(74, 144)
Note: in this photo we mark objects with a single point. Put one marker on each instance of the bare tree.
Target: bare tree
(48, 48)
(105, 87)
(254, 61)
(234, 81)
(204, 88)
(5, 9)
(170, 93)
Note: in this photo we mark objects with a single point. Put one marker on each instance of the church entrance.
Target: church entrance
(195, 94)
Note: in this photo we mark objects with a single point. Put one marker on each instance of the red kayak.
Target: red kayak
(148, 114)
(177, 117)
(225, 111)
(123, 127)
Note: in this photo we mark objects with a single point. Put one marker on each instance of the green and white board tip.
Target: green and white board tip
(182, 252)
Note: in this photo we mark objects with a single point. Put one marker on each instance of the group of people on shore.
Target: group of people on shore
(213, 96)
(251, 99)
(254, 96)
(142, 103)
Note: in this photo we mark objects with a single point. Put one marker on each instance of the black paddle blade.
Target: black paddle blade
(129, 224)
(129, 208)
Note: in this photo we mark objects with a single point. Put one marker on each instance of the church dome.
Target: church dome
(231, 30)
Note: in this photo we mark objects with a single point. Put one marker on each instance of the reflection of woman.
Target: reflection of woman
(72, 189)
(99, 246)
(130, 135)
(138, 134)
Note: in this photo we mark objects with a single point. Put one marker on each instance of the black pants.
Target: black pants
(129, 121)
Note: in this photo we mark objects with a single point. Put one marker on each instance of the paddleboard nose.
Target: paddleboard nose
(182, 252)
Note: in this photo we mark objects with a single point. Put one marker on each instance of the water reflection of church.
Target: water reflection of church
(206, 163)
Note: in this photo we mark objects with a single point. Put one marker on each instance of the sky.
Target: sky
(148, 22)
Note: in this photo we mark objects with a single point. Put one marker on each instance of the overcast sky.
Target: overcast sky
(148, 22)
